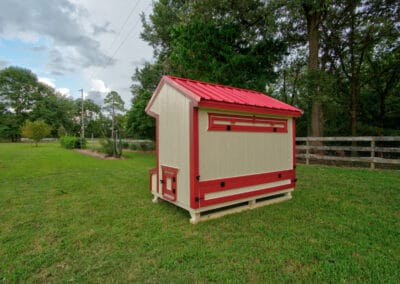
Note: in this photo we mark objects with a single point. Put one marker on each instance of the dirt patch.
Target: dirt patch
(96, 154)
(141, 152)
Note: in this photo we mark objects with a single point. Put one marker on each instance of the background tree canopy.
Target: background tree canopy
(24, 99)
(337, 60)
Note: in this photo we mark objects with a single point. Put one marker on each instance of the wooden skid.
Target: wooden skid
(246, 205)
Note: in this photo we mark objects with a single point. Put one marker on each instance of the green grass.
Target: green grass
(69, 217)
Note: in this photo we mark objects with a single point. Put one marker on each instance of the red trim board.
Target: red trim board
(245, 123)
(226, 184)
(194, 155)
(294, 147)
(246, 108)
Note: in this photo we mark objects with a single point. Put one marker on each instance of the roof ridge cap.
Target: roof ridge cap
(219, 85)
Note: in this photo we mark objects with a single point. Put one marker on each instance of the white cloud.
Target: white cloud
(64, 91)
(99, 86)
(76, 37)
(47, 81)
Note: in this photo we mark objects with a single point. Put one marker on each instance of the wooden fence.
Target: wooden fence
(381, 149)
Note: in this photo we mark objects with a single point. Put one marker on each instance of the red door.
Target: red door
(169, 182)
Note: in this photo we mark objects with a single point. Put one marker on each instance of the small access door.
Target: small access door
(169, 182)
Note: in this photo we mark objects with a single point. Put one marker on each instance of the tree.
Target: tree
(139, 124)
(18, 89)
(313, 11)
(23, 98)
(225, 42)
(112, 103)
(36, 130)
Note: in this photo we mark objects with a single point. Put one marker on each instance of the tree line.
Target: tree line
(24, 100)
(339, 61)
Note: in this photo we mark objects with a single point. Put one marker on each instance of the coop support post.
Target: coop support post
(372, 153)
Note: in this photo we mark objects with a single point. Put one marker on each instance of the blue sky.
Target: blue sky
(71, 44)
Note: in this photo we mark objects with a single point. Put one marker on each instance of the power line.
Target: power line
(123, 25)
(121, 44)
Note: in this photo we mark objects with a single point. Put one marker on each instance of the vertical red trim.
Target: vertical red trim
(156, 116)
(294, 148)
(194, 155)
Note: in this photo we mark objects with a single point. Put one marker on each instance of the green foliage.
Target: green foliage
(72, 142)
(61, 131)
(213, 52)
(36, 130)
(112, 148)
(69, 217)
(133, 146)
(113, 101)
(228, 44)
(23, 98)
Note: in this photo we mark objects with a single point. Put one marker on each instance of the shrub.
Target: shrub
(61, 131)
(36, 130)
(72, 142)
(107, 147)
(125, 145)
(133, 146)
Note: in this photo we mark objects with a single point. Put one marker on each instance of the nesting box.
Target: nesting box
(221, 149)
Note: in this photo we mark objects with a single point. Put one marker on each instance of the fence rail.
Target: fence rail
(314, 150)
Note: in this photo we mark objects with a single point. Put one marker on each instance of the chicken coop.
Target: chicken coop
(221, 149)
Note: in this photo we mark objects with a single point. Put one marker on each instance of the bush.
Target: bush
(142, 146)
(125, 145)
(35, 130)
(133, 146)
(72, 142)
(107, 147)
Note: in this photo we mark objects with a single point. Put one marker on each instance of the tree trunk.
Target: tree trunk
(353, 107)
(313, 19)
(382, 113)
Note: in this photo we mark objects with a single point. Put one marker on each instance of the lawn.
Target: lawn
(69, 217)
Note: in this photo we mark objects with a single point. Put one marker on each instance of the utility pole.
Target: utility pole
(82, 120)
(113, 125)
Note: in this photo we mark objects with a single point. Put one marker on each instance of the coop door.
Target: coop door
(169, 182)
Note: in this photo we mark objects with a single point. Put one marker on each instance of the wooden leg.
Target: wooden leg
(155, 199)
(195, 218)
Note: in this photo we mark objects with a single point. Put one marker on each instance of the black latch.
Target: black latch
(222, 184)
(198, 177)
(173, 191)
(274, 129)
(228, 127)
(161, 181)
(174, 179)
(279, 175)
(197, 199)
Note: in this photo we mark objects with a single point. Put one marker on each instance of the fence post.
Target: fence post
(307, 152)
(372, 153)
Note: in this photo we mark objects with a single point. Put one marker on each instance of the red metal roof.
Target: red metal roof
(208, 92)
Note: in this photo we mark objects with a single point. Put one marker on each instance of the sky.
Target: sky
(75, 44)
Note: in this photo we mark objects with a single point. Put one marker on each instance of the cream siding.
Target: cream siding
(224, 154)
(173, 109)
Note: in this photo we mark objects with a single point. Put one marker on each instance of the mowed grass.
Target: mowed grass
(69, 217)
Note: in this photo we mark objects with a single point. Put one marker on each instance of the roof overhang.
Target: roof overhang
(247, 108)
(165, 80)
